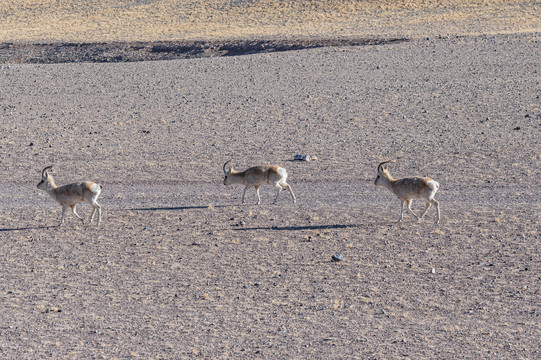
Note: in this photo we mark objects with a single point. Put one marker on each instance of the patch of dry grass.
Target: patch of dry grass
(155, 20)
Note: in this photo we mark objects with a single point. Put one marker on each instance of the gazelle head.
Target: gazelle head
(227, 174)
(47, 180)
(383, 172)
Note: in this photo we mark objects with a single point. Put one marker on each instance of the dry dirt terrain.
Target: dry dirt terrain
(179, 268)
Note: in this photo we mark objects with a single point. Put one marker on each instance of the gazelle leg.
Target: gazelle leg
(244, 193)
(411, 211)
(95, 206)
(278, 191)
(428, 204)
(433, 201)
(92, 214)
(99, 213)
(63, 215)
(286, 186)
(73, 210)
(258, 197)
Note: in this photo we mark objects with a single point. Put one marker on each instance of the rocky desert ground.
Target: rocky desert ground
(179, 268)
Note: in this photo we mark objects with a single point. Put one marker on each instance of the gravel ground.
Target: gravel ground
(180, 269)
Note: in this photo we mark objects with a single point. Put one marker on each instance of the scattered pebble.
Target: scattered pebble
(337, 257)
(54, 309)
(300, 157)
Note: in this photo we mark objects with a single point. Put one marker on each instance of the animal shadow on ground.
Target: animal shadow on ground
(295, 228)
(172, 208)
(25, 228)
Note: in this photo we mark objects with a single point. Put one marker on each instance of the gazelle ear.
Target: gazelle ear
(46, 170)
(383, 165)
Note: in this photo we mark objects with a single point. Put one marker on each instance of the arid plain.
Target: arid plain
(180, 269)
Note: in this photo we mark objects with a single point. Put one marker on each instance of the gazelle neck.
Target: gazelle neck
(388, 180)
(237, 177)
(52, 183)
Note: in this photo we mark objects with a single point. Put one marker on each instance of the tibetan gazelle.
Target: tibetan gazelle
(70, 195)
(410, 188)
(257, 176)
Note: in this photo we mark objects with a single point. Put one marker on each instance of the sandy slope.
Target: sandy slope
(152, 20)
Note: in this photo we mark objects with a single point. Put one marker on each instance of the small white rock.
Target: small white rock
(302, 157)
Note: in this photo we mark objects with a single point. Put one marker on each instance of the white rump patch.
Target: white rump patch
(434, 185)
(282, 172)
(95, 188)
